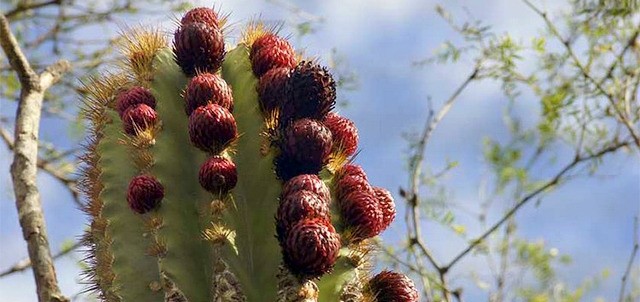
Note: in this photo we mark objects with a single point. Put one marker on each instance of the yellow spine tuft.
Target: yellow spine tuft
(140, 47)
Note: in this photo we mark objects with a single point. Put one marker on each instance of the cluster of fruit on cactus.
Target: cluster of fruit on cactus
(207, 147)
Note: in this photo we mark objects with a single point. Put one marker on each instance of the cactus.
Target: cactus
(216, 175)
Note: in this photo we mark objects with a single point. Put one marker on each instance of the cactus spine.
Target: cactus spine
(184, 207)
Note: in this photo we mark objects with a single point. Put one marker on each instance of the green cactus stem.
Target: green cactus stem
(183, 243)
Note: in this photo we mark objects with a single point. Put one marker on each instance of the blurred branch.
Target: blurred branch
(24, 166)
(26, 263)
(548, 185)
(565, 42)
(632, 258)
(27, 6)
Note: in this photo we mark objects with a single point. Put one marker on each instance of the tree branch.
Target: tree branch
(24, 167)
(632, 258)
(412, 198)
(549, 184)
(26, 263)
(22, 7)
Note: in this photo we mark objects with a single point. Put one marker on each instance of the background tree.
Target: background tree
(586, 78)
(582, 69)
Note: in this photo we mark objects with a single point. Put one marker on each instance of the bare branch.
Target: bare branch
(26, 263)
(412, 198)
(548, 185)
(27, 6)
(24, 167)
(17, 60)
(632, 258)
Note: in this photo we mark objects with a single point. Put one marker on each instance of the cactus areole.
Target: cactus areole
(205, 182)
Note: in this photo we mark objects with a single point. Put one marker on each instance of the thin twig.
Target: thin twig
(26, 263)
(632, 258)
(24, 167)
(416, 167)
(548, 185)
(27, 6)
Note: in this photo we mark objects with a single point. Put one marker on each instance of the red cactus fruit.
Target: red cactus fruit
(386, 205)
(144, 193)
(133, 96)
(287, 167)
(212, 128)
(311, 92)
(361, 215)
(138, 118)
(266, 39)
(344, 131)
(201, 15)
(297, 206)
(198, 47)
(207, 88)
(218, 175)
(308, 182)
(311, 247)
(271, 53)
(392, 287)
(351, 178)
(272, 88)
(352, 170)
(307, 141)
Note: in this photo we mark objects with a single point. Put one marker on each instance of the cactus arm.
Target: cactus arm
(135, 271)
(188, 261)
(256, 195)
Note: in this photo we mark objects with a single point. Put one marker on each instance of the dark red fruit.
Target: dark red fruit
(352, 170)
(297, 206)
(287, 167)
(351, 178)
(392, 287)
(307, 141)
(344, 131)
(201, 15)
(271, 53)
(267, 39)
(206, 88)
(138, 118)
(272, 88)
(386, 205)
(144, 193)
(311, 92)
(133, 96)
(198, 47)
(361, 215)
(311, 248)
(212, 128)
(309, 182)
(218, 175)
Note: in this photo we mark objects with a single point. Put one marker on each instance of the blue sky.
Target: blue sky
(589, 219)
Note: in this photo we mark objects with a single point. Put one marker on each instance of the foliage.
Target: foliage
(585, 79)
